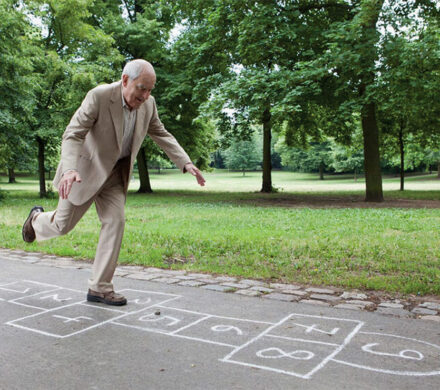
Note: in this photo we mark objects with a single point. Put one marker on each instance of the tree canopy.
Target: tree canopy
(359, 75)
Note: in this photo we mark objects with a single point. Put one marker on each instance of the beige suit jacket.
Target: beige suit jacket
(93, 139)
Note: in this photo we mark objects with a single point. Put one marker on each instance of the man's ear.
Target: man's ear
(124, 80)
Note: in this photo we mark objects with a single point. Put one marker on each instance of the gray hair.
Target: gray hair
(133, 69)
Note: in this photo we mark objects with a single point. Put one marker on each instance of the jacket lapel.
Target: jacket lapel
(116, 113)
(139, 129)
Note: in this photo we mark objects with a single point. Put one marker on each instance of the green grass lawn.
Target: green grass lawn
(224, 229)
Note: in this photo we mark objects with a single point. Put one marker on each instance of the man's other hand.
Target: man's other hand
(66, 182)
(191, 168)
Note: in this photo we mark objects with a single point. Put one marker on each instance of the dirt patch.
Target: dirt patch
(332, 201)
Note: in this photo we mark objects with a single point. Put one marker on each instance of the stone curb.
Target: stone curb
(413, 307)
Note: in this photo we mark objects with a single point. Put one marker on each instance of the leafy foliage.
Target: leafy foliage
(16, 84)
(243, 154)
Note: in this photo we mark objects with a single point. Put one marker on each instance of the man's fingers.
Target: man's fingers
(193, 170)
(200, 179)
(68, 187)
(67, 182)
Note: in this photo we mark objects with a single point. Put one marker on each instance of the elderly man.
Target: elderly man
(98, 151)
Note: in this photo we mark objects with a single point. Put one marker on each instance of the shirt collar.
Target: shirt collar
(124, 103)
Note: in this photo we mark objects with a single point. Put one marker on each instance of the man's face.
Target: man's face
(137, 91)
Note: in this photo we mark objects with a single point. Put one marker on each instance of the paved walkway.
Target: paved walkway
(172, 336)
(412, 307)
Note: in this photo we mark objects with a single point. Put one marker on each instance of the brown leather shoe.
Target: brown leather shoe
(109, 298)
(28, 231)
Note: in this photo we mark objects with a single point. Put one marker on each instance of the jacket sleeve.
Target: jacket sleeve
(76, 131)
(166, 140)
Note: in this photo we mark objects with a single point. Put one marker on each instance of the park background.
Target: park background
(316, 123)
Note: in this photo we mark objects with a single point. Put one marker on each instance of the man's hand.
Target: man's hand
(66, 182)
(191, 168)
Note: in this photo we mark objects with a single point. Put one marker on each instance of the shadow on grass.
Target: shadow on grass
(348, 199)
(25, 190)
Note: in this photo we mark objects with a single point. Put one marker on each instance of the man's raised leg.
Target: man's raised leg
(59, 222)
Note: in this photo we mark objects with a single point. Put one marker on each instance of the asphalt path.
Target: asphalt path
(175, 337)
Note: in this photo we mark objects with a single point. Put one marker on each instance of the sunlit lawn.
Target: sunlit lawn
(224, 181)
(219, 229)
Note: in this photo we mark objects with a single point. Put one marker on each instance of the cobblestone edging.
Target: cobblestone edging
(413, 307)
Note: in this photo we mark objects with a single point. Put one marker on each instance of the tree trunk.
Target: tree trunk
(370, 12)
(321, 171)
(11, 174)
(243, 172)
(267, 137)
(41, 176)
(355, 175)
(144, 177)
(438, 169)
(373, 175)
(402, 159)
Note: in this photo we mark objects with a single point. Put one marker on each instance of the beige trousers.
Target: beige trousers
(109, 203)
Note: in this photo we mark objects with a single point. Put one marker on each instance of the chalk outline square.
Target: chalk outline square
(122, 314)
(339, 347)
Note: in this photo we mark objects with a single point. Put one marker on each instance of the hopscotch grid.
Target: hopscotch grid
(12, 323)
(315, 369)
(83, 301)
(206, 317)
(159, 331)
(116, 318)
(236, 348)
(299, 339)
(217, 316)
